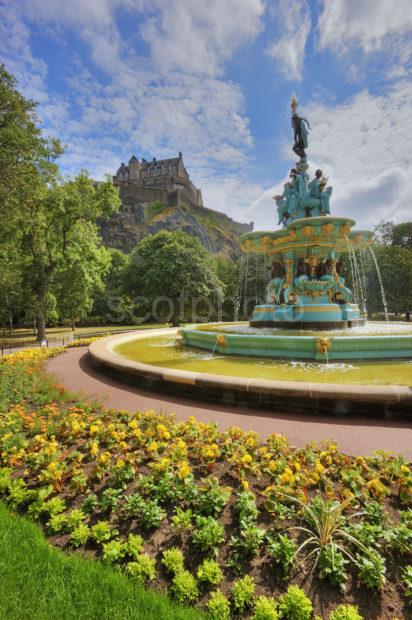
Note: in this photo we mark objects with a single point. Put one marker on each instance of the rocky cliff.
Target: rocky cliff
(136, 219)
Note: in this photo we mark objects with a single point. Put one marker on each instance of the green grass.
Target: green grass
(38, 582)
(26, 336)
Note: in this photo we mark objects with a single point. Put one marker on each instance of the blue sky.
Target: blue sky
(213, 79)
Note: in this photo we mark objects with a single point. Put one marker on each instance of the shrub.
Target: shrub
(142, 569)
(173, 560)
(90, 502)
(210, 571)
(208, 534)
(184, 587)
(265, 609)
(80, 535)
(372, 570)
(218, 606)
(295, 605)
(243, 590)
(110, 499)
(345, 612)
(56, 523)
(54, 506)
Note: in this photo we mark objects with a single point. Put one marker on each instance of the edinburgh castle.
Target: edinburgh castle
(159, 194)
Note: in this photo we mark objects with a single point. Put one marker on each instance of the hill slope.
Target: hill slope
(135, 220)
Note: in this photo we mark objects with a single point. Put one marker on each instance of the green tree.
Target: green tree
(10, 283)
(228, 273)
(395, 264)
(402, 235)
(58, 236)
(172, 265)
(113, 302)
(27, 159)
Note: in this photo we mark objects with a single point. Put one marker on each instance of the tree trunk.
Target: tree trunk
(73, 326)
(175, 314)
(10, 323)
(39, 317)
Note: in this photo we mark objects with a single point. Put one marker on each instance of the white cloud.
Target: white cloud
(294, 22)
(197, 37)
(174, 99)
(366, 23)
(361, 146)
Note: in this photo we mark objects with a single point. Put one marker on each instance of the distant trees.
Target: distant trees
(173, 265)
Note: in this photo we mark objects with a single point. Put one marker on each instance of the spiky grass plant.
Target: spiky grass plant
(325, 527)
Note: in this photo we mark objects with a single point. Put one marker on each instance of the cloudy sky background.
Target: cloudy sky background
(213, 78)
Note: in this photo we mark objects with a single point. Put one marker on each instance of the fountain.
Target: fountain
(307, 289)
(309, 346)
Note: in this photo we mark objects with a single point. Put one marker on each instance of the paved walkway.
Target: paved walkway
(354, 435)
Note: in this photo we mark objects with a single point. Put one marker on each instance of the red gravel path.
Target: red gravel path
(354, 435)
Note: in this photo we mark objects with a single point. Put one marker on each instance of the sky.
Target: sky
(213, 79)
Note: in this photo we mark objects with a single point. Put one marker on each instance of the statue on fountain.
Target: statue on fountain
(300, 197)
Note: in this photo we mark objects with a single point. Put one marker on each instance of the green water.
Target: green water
(162, 351)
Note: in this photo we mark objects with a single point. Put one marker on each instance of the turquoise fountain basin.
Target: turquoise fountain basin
(375, 341)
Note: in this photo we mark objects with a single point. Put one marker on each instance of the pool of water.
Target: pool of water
(162, 351)
(371, 328)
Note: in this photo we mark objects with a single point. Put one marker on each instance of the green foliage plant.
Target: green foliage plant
(264, 609)
(173, 560)
(246, 508)
(242, 593)
(114, 551)
(102, 531)
(282, 549)
(345, 612)
(74, 518)
(294, 605)
(182, 520)
(212, 497)
(134, 545)
(406, 581)
(208, 534)
(210, 572)
(184, 587)
(151, 514)
(218, 606)
(142, 569)
(332, 566)
(80, 535)
(372, 570)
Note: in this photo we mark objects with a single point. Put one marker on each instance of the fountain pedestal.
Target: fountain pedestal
(307, 288)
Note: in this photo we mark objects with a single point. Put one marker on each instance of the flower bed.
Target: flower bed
(219, 519)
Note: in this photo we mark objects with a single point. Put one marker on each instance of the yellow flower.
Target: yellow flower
(405, 469)
(376, 488)
(247, 459)
(287, 477)
(152, 447)
(251, 442)
(272, 465)
(104, 458)
(120, 463)
(184, 470)
(245, 485)
(94, 448)
(319, 468)
(137, 433)
(94, 429)
(133, 424)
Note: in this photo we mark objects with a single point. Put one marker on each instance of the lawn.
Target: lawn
(26, 335)
(39, 582)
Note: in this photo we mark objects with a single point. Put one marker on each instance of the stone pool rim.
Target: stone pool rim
(385, 400)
